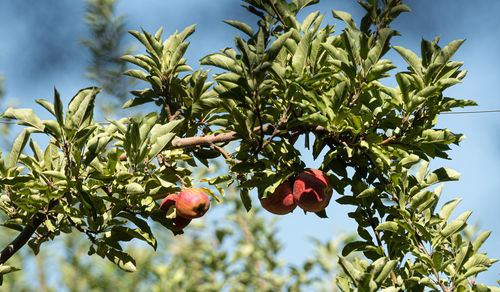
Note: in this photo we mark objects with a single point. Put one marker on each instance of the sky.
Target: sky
(40, 49)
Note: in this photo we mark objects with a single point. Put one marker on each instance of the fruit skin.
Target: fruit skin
(123, 157)
(282, 201)
(192, 203)
(178, 222)
(312, 190)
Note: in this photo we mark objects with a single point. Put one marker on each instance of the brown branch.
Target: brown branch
(168, 111)
(221, 150)
(276, 131)
(356, 95)
(23, 237)
(424, 250)
(162, 161)
(405, 130)
(379, 242)
(438, 279)
(82, 230)
(208, 140)
(277, 14)
(388, 140)
(175, 115)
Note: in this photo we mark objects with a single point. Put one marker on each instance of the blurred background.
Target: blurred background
(73, 44)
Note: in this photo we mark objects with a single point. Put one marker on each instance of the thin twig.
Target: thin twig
(79, 228)
(221, 150)
(277, 14)
(379, 242)
(162, 161)
(424, 250)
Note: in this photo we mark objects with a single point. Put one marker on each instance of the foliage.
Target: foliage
(238, 253)
(283, 80)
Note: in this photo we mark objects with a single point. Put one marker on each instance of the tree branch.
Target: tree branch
(25, 234)
(394, 278)
(277, 13)
(209, 140)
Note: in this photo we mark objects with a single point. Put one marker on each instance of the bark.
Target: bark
(25, 235)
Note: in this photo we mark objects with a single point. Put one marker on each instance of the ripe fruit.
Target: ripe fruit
(312, 190)
(281, 201)
(178, 222)
(192, 203)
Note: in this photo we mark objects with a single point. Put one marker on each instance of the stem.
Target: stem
(434, 271)
(277, 14)
(221, 150)
(208, 140)
(405, 130)
(379, 242)
(438, 279)
(25, 234)
(79, 228)
(162, 161)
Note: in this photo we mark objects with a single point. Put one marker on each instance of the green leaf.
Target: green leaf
(370, 192)
(343, 283)
(26, 117)
(121, 259)
(19, 179)
(217, 180)
(438, 136)
(142, 38)
(241, 26)
(81, 107)
(388, 226)
(7, 269)
(321, 214)
(422, 171)
(345, 17)
(413, 60)
(306, 24)
(55, 174)
(95, 147)
(299, 58)
(161, 136)
(452, 227)
(462, 256)
(137, 74)
(350, 270)
(409, 161)
(222, 61)
(19, 145)
(58, 108)
(154, 44)
(276, 46)
(442, 174)
(353, 246)
(179, 52)
(387, 268)
(46, 104)
(134, 189)
(447, 209)
(245, 198)
(135, 101)
(183, 35)
(477, 260)
(316, 119)
(478, 242)
(448, 51)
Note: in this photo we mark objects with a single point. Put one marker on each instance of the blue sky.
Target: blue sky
(40, 49)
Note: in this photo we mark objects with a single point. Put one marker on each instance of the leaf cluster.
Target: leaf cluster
(283, 80)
